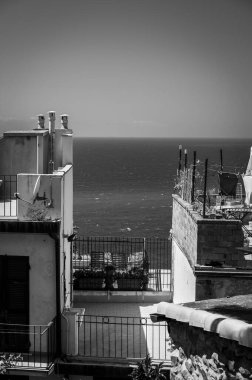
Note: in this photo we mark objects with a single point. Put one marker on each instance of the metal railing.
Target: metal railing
(35, 345)
(8, 188)
(147, 259)
(122, 337)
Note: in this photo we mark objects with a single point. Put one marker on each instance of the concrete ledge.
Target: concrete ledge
(214, 271)
(34, 132)
(102, 368)
(92, 296)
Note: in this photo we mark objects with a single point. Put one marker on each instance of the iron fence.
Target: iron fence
(33, 345)
(8, 188)
(147, 261)
(122, 337)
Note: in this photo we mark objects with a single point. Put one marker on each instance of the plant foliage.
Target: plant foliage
(8, 361)
(146, 370)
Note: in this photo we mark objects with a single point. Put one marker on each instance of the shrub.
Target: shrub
(146, 370)
(8, 361)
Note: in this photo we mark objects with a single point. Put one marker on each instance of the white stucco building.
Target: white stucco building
(36, 225)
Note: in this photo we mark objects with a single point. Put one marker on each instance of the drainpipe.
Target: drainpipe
(58, 298)
(56, 238)
(52, 118)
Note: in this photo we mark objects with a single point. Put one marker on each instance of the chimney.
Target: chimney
(41, 122)
(64, 121)
(52, 118)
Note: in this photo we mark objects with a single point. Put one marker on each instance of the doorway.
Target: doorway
(14, 303)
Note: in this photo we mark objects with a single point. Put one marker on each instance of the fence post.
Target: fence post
(193, 176)
(180, 157)
(185, 165)
(221, 160)
(205, 188)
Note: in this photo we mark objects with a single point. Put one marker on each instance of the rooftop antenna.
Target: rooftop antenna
(221, 161)
(205, 189)
(193, 176)
(180, 158)
(185, 165)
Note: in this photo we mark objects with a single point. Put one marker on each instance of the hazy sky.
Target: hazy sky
(162, 68)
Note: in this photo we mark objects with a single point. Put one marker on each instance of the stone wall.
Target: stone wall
(185, 228)
(196, 341)
(214, 285)
(218, 240)
(206, 241)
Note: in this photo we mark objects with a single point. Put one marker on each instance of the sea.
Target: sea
(124, 186)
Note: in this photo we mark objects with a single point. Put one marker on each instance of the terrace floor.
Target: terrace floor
(122, 331)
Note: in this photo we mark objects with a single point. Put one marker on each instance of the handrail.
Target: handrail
(25, 325)
(46, 328)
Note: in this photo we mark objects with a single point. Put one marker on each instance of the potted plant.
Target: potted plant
(89, 279)
(134, 279)
(110, 277)
(146, 370)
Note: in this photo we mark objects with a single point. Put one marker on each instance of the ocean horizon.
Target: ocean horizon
(124, 186)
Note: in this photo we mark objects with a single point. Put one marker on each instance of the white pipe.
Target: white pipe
(52, 118)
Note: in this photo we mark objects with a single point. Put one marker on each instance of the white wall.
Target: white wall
(49, 186)
(184, 282)
(67, 229)
(58, 188)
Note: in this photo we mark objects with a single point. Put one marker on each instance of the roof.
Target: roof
(230, 317)
(15, 226)
(33, 132)
(239, 307)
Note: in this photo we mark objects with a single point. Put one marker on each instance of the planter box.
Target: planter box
(89, 283)
(129, 284)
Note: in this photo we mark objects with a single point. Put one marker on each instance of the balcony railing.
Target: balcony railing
(132, 263)
(122, 337)
(8, 202)
(35, 345)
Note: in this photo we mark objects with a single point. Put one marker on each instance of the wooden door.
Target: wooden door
(14, 303)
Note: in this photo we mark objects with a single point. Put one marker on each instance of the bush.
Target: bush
(8, 361)
(146, 370)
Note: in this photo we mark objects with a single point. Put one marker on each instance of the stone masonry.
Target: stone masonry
(206, 241)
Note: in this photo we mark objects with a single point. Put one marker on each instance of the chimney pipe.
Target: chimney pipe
(52, 119)
(41, 121)
(64, 121)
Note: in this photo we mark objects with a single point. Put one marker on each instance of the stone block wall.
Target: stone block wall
(185, 228)
(196, 341)
(206, 241)
(210, 285)
(217, 242)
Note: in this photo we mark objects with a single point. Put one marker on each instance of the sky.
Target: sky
(128, 68)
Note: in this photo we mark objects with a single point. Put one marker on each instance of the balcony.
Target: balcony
(118, 265)
(8, 202)
(121, 338)
(35, 346)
